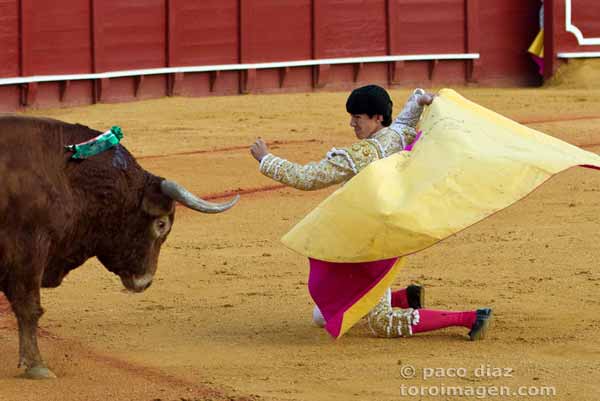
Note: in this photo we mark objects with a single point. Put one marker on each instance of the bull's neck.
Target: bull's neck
(105, 198)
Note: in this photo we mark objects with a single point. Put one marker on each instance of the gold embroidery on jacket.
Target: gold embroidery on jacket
(388, 322)
(339, 165)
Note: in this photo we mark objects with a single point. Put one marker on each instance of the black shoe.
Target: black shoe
(415, 295)
(481, 325)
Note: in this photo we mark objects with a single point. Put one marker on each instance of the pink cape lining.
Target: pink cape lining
(335, 287)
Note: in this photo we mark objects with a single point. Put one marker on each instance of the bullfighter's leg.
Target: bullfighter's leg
(412, 297)
(386, 321)
(24, 297)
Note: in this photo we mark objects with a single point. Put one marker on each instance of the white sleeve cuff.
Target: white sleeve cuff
(263, 160)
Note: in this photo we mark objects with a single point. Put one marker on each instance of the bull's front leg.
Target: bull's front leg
(25, 301)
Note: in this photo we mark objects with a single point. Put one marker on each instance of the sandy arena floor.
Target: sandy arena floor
(228, 316)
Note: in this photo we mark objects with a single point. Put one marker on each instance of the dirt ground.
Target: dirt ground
(229, 314)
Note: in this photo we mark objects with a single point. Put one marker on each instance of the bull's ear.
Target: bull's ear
(155, 203)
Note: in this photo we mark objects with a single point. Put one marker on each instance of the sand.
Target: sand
(577, 74)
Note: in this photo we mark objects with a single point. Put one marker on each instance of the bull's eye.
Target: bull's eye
(161, 226)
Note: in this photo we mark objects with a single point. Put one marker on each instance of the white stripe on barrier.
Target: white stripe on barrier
(578, 55)
(570, 27)
(234, 67)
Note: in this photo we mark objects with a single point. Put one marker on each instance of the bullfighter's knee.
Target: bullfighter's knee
(392, 324)
(387, 322)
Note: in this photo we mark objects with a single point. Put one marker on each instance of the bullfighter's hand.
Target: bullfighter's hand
(259, 149)
(425, 99)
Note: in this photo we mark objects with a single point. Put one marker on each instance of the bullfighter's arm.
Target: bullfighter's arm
(410, 114)
(307, 177)
(338, 166)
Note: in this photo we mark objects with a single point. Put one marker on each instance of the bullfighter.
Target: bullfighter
(343, 289)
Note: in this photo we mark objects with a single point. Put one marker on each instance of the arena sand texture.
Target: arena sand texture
(229, 315)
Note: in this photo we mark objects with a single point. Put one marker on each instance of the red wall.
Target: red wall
(9, 38)
(585, 16)
(9, 52)
(74, 36)
(203, 32)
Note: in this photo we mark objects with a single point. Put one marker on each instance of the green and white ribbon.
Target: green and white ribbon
(96, 145)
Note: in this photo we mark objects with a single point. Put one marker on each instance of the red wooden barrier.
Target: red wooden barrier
(270, 31)
(572, 30)
(10, 65)
(203, 33)
(65, 37)
(9, 38)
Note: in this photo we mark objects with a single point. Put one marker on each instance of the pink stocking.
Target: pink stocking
(437, 319)
(400, 299)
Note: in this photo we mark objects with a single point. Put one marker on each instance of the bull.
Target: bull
(57, 212)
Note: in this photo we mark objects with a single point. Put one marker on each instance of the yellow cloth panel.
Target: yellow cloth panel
(469, 163)
(537, 46)
(370, 299)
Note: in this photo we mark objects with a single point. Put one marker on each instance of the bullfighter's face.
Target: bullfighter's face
(365, 126)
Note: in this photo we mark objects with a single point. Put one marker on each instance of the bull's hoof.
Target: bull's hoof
(39, 373)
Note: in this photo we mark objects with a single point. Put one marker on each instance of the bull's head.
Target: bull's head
(134, 254)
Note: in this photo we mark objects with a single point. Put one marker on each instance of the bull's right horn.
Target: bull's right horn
(178, 193)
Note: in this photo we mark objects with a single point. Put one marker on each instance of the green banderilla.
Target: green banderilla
(96, 145)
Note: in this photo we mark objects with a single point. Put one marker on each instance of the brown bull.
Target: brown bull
(56, 212)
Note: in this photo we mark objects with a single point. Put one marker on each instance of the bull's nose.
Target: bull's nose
(137, 284)
(142, 283)
(145, 286)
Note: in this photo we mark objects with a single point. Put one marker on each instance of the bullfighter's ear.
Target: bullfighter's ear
(155, 203)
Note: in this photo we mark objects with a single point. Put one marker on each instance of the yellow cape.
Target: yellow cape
(537, 46)
(469, 163)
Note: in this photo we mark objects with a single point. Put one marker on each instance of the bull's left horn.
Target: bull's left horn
(178, 193)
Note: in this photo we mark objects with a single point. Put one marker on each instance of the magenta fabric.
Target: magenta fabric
(409, 147)
(540, 63)
(438, 319)
(400, 299)
(335, 287)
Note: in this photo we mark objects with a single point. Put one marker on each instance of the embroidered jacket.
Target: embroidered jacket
(340, 165)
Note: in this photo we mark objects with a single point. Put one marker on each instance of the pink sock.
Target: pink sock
(400, 299)
(438, 319)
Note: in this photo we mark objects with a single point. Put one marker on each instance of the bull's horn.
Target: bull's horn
(178, 193)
